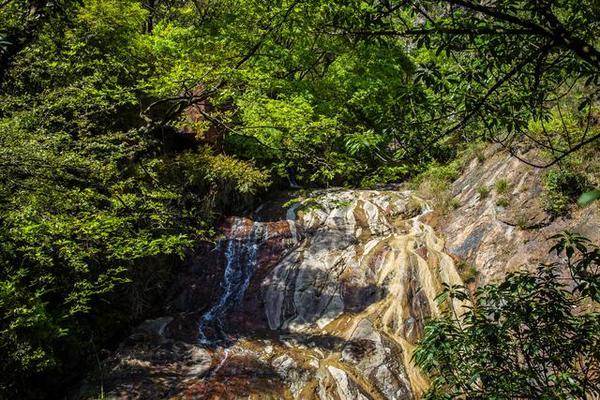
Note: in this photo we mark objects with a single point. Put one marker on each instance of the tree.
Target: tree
(26, 19)
(96, 213)
(509, 63)
(532, 336)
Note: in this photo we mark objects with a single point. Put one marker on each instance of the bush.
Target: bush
(455, 203)
(503, 202)
(444, 174)
(388, 174)
(562, 187)
(483, 192)
(532, 336)
(435, 183)
(468, 272)
(501, 186)
(475, 149)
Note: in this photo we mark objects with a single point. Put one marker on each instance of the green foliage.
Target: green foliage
(96, 210)
(435, 179)
(503, 202)
(562, 188)
(530, 336)
(583, 263)
(501, 186)
(483, 192)
(389, 174)
(435, 183)
(342, 203)
(468, 272)
(496, 62)
(442, 175)
(455, 203)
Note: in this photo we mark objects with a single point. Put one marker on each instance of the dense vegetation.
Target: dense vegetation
(127, 127)
(520, 339)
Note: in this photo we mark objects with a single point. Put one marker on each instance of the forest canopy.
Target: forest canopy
(127, 127)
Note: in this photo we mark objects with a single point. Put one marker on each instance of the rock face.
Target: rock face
(499, 239)
(354, 293)
(326, 299)
(323, 301)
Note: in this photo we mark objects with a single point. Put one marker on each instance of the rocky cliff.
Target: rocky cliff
(325, 298)
(507, 231)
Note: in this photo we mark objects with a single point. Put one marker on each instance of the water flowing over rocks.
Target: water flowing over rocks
(241, 258)
(326, 296)
(324, 299)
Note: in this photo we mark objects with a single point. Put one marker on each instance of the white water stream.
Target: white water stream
(241, 255)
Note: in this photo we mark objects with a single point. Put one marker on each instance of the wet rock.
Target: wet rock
(325, 301)
(155, 326)
(200, 362)
(295, 376)
(379, 360)
(360, 259)
(345, 388)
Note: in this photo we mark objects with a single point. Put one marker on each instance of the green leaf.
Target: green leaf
(588, 197)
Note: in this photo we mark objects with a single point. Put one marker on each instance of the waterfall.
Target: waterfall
(325, 299)
(290, 216)
(241, 254)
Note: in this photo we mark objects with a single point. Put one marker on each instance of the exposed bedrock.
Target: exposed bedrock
(326, 297)
(325, 301)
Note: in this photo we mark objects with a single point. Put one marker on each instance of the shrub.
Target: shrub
(562, 187)
(483, 192)
(474, 150)
(388, 174)
(468, 272)
(522, 221)
(441, 172)
(502, 202)
(501, 186)
(455, 203)
(435, 183)
(532, 336)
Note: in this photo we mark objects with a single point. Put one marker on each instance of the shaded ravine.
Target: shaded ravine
(323, 300)
(393, 266)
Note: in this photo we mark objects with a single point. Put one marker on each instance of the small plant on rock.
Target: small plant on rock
(468, 272)
(501, 186)
(562, 187)
(455, 203)
(502, 202)
(483, 192)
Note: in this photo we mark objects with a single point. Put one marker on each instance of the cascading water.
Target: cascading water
(345, 287)
(241, 253)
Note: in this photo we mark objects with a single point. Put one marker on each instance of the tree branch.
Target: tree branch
(453, 31)
(556, 159)
(556, 31)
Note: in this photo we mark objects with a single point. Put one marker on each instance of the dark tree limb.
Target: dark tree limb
(555, 31)
(556, 159)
